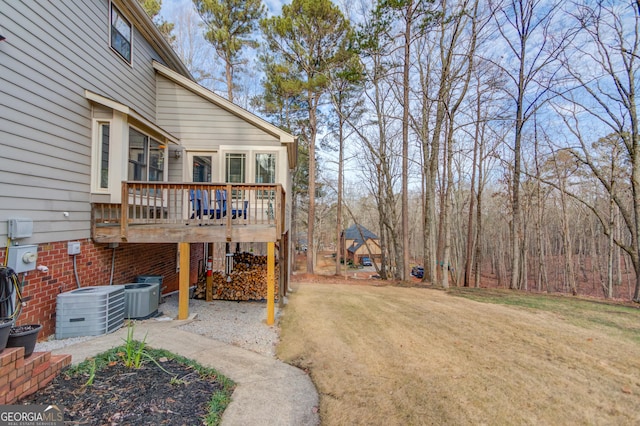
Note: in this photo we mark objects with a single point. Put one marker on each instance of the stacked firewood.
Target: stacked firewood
(247, 281)
(249, 259)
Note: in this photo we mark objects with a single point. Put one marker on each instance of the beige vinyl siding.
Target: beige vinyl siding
(176, 168)
(201, 124)
(53, 52)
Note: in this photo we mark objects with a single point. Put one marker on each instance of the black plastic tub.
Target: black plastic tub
(26, 336)
(5, 329)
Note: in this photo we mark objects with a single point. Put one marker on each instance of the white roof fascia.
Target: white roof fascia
(110, 103)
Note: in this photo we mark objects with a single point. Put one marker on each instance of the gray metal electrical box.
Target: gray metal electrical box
(22, 258)
(20, 227)
(73, 247)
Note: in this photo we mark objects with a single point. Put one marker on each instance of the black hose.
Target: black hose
(8, 285)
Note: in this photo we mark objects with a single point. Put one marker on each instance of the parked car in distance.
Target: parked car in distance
(365, 261)
(417, 271)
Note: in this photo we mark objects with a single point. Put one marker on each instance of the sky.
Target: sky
(169, 7)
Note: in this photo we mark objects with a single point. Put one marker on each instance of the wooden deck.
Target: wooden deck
(154, 212)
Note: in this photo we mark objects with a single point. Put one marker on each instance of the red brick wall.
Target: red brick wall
(94, 268)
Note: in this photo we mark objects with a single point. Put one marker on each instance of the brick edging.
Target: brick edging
(20, 376)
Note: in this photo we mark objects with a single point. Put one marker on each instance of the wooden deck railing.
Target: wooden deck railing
(181, 204)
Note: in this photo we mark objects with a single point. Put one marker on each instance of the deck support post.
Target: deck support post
(209, 288)
(271, 282)
(183, 286)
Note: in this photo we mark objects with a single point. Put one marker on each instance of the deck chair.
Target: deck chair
(221, 206)
(199, 203)
(220, 202)
(237, 212)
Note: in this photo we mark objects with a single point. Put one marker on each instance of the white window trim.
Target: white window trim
(250, 152)
(254, 156)
(165, 162)
(96, 155)
(187, 171)
(119, 144)
(247, 155)
(116, 106)
(122, 58)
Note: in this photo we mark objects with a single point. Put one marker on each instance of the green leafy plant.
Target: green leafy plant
(92, 373)
(133, 349)
(176, 381)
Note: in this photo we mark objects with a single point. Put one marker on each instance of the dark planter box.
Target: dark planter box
(26, 336)
(5, 328)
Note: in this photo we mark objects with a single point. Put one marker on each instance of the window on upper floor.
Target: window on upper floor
(146, 157)
(121, 34)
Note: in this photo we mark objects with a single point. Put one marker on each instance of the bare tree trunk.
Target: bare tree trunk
(446, 209)
(538, 226)
(568, 247)
(431, 157)
(313, 127)
(339, 248)
(471, 241)
(479, 256)
(383, 237)
(611, 250)
(443, 210)
(516, 233)
(525, 256)
(404, 272)
(618, 256)
(229, 75)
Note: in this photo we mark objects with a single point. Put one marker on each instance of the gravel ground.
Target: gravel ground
(240, 324)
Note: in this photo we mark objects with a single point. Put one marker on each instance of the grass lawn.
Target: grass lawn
(397, 356)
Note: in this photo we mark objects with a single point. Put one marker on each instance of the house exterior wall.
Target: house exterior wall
(54, 51)
(200, 124)
(94, 265)
(373, 251)
(207, 129)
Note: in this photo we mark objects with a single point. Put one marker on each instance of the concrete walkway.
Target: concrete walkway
(268, 392)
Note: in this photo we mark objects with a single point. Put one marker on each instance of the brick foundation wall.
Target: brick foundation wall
(20, 376)
(93, 266)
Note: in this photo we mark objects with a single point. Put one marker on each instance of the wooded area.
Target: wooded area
(499, 138)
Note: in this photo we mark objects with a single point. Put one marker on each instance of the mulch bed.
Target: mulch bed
(121, 395)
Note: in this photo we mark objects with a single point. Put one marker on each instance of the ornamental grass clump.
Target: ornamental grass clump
(133, 350)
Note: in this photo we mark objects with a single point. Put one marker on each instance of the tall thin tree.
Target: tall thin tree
(345, 86)
(412, 17)
(312, 36)
(231, 26)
